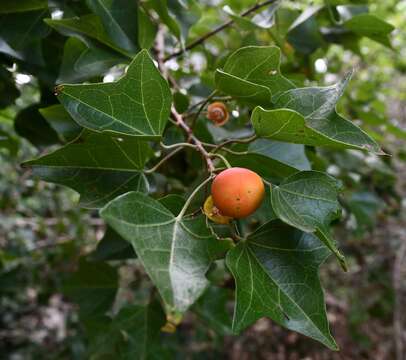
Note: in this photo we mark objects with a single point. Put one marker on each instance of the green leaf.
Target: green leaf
(99, 167)
(304, 33)
(81, 62)
(132, 333)
(119, 18)
(370, 26)
(112, 247)
(12, 6)
(61, 122)
(308, 116)
(176, 252)
(273, 160)
(8, 142)
(31, 125)
(146, 30)
(138, 104)
(8, 91)
(23, 33)
(252, 74)
(93, 287)
(308, 201)
(212, 309)
(161, 8)
(272, 281)
(88, 28)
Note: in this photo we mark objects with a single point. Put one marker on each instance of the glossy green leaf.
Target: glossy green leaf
(146, 30)
(161, 8)
(112, 247)
(93, 287)
(99, 167)
(252, 74)
(308, 116)
(8, 91)
(88, 28)
(273, 160)
(276, 274)
(81, 62)
(176, 252)
(61, 122)
(304, 33)
(119, 18)
(23, 33)
(138, 104)
(370, 26)
(31, 125)
(12, 6)
(308, 201)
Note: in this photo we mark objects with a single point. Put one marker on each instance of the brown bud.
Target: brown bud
(217, 112)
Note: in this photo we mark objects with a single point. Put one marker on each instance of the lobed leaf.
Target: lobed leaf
(176, 252)
(138, 104)
(98, 166)
(308, 201)
(276, 274)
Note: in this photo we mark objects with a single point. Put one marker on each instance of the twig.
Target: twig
(193, 139)
(223, 159)
(203, 38)
(173, 146)
(163, 160)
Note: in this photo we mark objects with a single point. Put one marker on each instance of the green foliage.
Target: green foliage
(130, 135)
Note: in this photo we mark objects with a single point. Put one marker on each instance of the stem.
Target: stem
(192, 138)
(163, 160)
(222, 158)
(192, 195)
(206, 36)
(202, 107)
(239, 141)
(174, 146)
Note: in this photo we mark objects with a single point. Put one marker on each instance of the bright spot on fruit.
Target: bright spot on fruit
(320, 65)
(23, 79)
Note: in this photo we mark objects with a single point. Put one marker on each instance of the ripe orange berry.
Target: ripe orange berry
(217, 112)
(237, 192)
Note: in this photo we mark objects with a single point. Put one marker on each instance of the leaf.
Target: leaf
(81, 62)
(133, 333)
(8, 91)
(273, 160)
(176, 252)
(308, 116)
(112, 247)
(119, 18)
(251, 74)
(146, 30)
(370, 26)
(276, 274)
(31, 125)
(99, 167)
(23, 33)
(161, 8)
(304, 33)
(308, 201)
(61, 122)
(87, 28)
(138, 104)
(212, 309)
(93, 287)
(12, 6)
(8, 142)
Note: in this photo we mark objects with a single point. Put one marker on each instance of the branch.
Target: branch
(192, 138)
(203, 38)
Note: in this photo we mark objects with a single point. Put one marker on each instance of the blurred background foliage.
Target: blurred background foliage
(44, 236)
